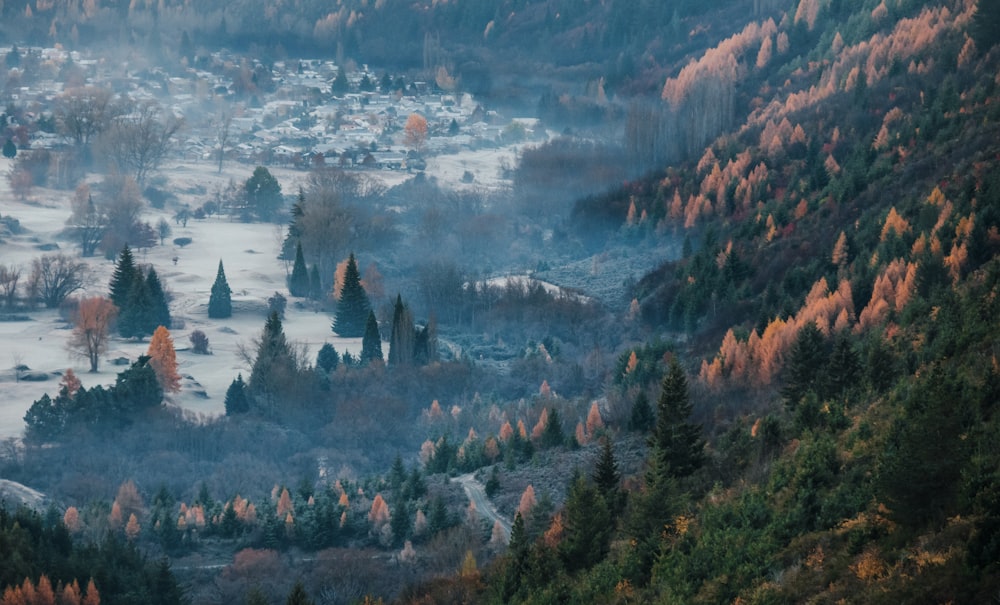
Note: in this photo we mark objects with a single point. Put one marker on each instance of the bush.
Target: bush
(277, 304)
(182, 241)
(199, 342)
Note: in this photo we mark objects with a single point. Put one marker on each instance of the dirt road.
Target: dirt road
(477, 494)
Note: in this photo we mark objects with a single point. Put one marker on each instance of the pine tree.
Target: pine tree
(315, 284)
(606, 475)
(275, 364)
(353, 306)
(371, 344)
(136, 318)
(220, 303)
(121, 280)
(587, 526)
(137, 387)
(298, 283)
(844, 368)
(160, 313)
(805, 364)
(163, 359)
(327, 358)
(677, 445)
(552, 435)
(401, 340)
(641, 419)
(986, 24)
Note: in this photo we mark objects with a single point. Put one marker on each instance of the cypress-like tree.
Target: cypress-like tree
(121, 280)
(401, 339)
(371, 343)
(315, 284)
(220, 303)
(327, 358)
(160, 313)
(676, 442)
(236, 397)
(353, 307)
(298, 282)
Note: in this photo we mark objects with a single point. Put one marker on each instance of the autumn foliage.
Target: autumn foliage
(163, 359)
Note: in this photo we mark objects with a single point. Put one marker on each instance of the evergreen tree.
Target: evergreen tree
(400, 523)
(298, 596)
(353, 307)
(586, 526)
(121, 280)
(315, 284)
(263, 193)
(553, 435)
(9, 149)
(986, 24)
(606, 476)
(220, 303)
(160, 311)
(237, 401)
(275, 365)
(137, 387)
(676, 444)
(642, 418)
(298, 282)
(137, 316)
(844, 369)
(327, 358)
(401, 340)
(516, 562)
(805, 363)
(371, 344)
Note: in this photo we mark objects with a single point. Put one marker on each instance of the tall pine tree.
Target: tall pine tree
(160, 314)
(298, 282)
(401, 346)
(274, 367)
(353, 306)
(676, 442)
(371, 344)
(121, 280)
(236, 397)
(137, 314)
(220, 303)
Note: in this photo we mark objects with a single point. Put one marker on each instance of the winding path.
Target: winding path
(477, 494)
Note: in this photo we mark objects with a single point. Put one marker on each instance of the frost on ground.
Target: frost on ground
(248, 251)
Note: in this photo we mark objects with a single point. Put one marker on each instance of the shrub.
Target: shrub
(182, 241)
(199, 342)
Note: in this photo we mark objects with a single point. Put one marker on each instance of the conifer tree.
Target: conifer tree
(327, 358)
(641, 419)
(606, 475)
(587, 526)
(136, 318)
(677, 445)
(121, 280)
(353, 307)
(163, 359)
(137, 387)
(805, 364)
(371, 344)
(553, 435)
(315, 284)
(220, 303)
(298, 596)
(275, 364)
(298, 282)
(401, 339)
(160, 312)
(236, 397)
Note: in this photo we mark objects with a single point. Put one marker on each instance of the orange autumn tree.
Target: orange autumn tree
(415, 131)
(90, 332)
(163, 359)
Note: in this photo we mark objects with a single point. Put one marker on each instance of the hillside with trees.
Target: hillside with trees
(797, 403)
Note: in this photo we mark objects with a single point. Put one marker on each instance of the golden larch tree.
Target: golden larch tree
(527, 501)
(92, 597)
(163, 360)
(415, 131)
(132, 527)
(94, 316)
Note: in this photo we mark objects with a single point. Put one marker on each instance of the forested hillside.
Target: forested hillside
(800, 405)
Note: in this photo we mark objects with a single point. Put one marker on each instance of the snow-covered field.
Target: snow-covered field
(248, 251)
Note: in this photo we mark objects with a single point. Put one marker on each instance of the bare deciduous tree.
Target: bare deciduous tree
(84, 113)
(9, 276)
(222, 126)
(137, 141)
(90, 334)
(88, 222)
(55, 277)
